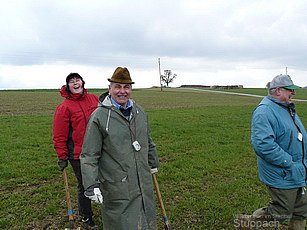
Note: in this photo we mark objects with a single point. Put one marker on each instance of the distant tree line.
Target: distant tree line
(214, 86)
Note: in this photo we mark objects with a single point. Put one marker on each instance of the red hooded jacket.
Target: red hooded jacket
(69, 123)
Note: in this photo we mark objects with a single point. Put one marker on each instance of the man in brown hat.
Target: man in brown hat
(118, 157)
(120, 88)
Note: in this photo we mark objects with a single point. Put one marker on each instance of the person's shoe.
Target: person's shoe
(260, 213)
(88, 223)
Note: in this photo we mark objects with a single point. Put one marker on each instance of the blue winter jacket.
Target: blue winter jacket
(281, 156)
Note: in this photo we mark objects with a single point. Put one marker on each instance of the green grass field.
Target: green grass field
(208, 172)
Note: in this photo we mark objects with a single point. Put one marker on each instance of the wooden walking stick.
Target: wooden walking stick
(70, 211)
(167, 225)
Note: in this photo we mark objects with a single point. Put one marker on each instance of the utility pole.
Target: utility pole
(286, 70)
(160, 74)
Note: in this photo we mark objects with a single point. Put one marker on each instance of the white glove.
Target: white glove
(94, 194)
(153, 170)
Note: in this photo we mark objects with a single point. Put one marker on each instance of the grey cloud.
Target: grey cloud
(105, 33)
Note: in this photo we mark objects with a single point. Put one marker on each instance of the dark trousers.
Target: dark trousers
(84, 203)
(287, 203)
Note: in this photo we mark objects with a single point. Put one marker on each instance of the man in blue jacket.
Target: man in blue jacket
(280, 142)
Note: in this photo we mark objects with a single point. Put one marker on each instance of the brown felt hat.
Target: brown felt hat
(121, 75)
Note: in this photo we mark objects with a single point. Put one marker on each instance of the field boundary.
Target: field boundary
(234, 93)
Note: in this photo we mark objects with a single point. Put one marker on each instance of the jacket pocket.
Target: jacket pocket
(116, 190)
(297, 172)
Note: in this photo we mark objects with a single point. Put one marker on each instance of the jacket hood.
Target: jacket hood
(105, 100)
(285, 105)
(103, 96)
(64, 93)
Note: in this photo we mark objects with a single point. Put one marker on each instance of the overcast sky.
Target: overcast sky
(216, 42)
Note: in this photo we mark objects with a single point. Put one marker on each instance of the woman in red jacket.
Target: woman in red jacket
(69, 125)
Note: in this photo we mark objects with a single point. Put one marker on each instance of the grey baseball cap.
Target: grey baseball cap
(282, 81)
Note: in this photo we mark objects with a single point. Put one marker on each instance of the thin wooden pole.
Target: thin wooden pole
(160, 74)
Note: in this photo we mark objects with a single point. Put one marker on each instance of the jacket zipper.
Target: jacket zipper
(292, 114)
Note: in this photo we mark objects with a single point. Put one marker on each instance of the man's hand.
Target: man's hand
(62, 164)
(94, 194)
(153, 170)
